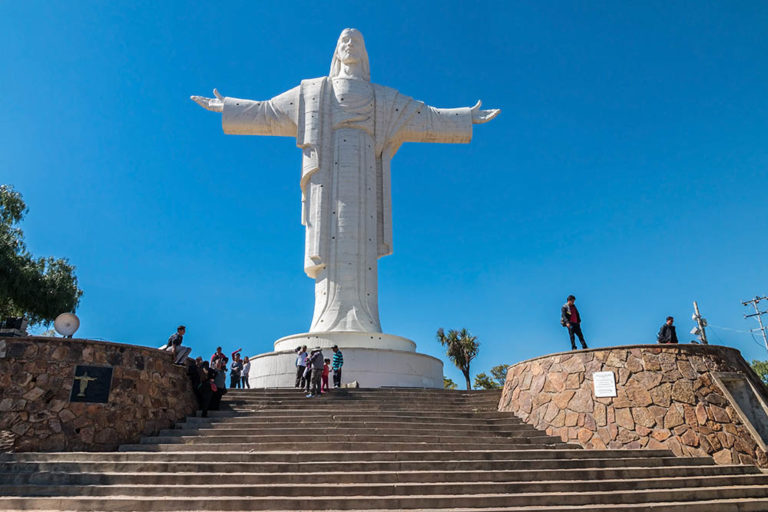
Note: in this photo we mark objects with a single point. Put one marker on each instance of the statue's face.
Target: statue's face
(350, 50)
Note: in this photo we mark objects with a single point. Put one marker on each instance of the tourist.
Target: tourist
(570, 318)
(667, 332)
(216, 356)
(244, 376)
(235, 369)
(316, 365)
(174, 345)
(194, 372)
(220, 380)
(207, 388)
(326, 371)
(301, 366)
(338, 362)
(307, 377)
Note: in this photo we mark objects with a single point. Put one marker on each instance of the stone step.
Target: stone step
(109, 474)
(350, 466)
(390, 455)
(307, 490)
(362, 408)
(361, 435)
(245, 414)
(263, 419)
(344, 428)
(338, 446)
(721, 505)
(333, 421)
(299, 415)
(390, 502)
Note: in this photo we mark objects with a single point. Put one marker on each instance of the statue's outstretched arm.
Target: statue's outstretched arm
(213, 104)
(483, 116)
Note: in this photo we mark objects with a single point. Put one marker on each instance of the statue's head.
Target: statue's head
(350, 50)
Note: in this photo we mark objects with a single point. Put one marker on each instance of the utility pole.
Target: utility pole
(701, 324)
(758, 314)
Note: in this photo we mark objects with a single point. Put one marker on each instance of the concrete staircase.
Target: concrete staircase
(384, 449)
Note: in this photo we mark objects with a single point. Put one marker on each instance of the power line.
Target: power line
(758, 314)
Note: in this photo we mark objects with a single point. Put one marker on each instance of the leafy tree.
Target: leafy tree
(499, 373)
(38, 288)
(495, 381)
(761, 369)
(482, 381)
(448, 383)
(462, 348)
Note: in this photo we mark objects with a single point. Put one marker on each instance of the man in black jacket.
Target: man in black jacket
(570, 318)
(667, 332)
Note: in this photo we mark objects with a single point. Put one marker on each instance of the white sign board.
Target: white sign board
(605, 384)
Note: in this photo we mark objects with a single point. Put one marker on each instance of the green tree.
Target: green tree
(448, 383)
(38, 288)
(462, 348)
(761, 369)
(499, 373)
(495, 381)
(482, 381)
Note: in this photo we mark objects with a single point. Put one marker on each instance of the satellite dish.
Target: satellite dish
(66, 324)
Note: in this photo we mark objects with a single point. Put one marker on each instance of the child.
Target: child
(326, 371)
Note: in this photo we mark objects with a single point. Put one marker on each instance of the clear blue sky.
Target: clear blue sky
(628, 166)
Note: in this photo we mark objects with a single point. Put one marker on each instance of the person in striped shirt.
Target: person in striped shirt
(338, 362)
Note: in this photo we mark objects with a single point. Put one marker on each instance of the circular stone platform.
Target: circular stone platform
(372, 359)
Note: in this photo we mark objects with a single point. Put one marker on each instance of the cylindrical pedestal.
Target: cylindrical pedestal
(372, 359)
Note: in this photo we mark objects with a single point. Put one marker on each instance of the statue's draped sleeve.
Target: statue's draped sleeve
(277, 116)
(402, 119)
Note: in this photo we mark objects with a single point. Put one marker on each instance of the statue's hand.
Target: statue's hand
(213, 104)
(483, 116)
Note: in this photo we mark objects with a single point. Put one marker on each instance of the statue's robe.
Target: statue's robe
(349, 130)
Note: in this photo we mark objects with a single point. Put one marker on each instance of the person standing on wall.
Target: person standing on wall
(667, 332)
(338, 362)
(570, 318)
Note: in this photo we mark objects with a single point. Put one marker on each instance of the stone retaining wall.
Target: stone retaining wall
(668, 396)
(148, 393)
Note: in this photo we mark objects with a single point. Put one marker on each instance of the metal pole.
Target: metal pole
(759, 315)
(700, 324)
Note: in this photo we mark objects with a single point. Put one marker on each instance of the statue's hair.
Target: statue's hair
(336, 62)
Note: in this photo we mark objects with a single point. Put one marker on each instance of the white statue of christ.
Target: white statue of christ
(349, 129)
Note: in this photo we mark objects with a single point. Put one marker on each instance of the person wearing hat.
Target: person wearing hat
(338, 362)
(316, 363)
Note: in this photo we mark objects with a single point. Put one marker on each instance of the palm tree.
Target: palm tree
(462, 348)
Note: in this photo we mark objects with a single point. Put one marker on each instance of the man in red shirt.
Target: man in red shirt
(570, 318)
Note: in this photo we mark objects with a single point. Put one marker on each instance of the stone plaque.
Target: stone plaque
(605, 384)
(91, 384)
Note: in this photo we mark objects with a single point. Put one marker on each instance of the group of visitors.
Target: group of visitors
(209, 382)
(313, 369)
(209, 378)
(571, 319)
(239, 369)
